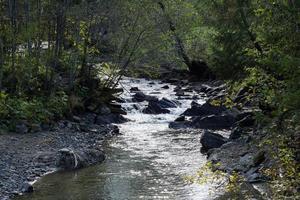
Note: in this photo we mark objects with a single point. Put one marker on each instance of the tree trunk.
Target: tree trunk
(27, 24)
(179, 44)
(1, 61)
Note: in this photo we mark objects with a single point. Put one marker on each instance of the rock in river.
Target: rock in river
(140, 96)
(223, 121)
(155, 108)
(205, 109)
(69, 159)
(210, 140)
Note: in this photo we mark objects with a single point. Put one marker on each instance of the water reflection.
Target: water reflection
(149, 161)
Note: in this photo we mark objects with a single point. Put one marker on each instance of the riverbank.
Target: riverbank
(67, 145)
(231, 137)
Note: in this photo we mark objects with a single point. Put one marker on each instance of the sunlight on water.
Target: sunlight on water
(148, 161)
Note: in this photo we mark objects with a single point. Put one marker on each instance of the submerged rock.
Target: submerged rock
(210, 140)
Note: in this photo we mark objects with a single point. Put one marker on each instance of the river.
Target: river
(148, 161)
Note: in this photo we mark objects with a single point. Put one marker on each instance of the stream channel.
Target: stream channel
(148, 161)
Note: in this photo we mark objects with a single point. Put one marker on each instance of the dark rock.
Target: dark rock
(117, 109)
(247, 121)
(180, 125)
(151, 83)
(77, 119)
(259, 158)
(26, 188)
(140, 96)
(120, 100)
(180, 93)
(22, 128)
(236, 133)
(205, 109)
(69, 159)
(180, 119)
(104, 110)
(134, 89)
(35, 128)
(255, 178)
(154, 108)
(166, 103)
(213, 122)
(165, 87)
(210, 140)
(111, 118)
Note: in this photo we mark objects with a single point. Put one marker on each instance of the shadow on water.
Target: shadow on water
(148, 161)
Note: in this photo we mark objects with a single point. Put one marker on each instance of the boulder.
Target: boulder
(223, 121)
(22, 128)
(236, 133)
(180, 119)
(140, 96)
(155, 108)
(69, 159)
(26, 188)
(134, 89)
(104, 110)
(166, 103)
(205, 109)
(180, 125)
(165, 87)
(110, 118)
(247, 121)
(210, 140)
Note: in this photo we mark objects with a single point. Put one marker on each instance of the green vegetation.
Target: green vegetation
(50, 55)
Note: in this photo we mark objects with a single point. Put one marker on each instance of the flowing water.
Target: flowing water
(148, 161)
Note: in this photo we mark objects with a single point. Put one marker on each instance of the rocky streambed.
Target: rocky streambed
(159, 145)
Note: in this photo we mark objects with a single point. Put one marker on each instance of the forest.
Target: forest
(63, 58)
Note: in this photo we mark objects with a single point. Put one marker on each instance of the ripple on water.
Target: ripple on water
(148, 161)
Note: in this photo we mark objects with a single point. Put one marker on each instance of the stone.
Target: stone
(134, 89)
(68, 159)
(166, 103)
(26, 188)
(258, 158)
(104, 110)
(76, 119)
(165, 87)
(205, 109)
(236, 133)
(22, 128)
(214, 122)
(247, 121)
(180, 119)
(180, 125)
(210, 140)
(110, 118)
(140, 97)
(154, 108)
(35, 128)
